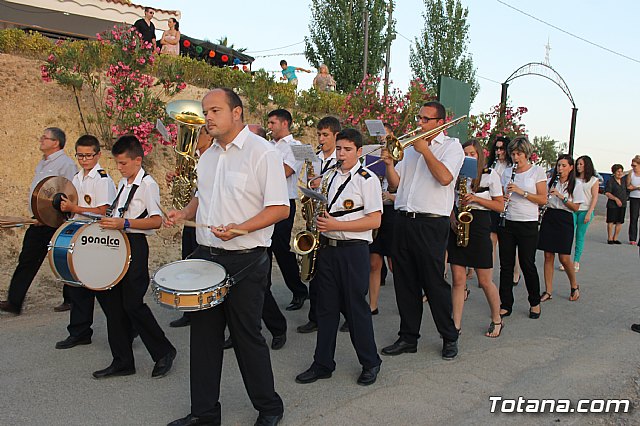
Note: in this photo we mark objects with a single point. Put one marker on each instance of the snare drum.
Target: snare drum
(190, 285)
(83, 254)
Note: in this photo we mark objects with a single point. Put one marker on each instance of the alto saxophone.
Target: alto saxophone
(305, 243)
(464, 217)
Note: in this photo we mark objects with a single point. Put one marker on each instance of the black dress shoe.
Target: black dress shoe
(296, 303)
(63, 307)
(449, 350)
(7, 306)
(192, 420)
(344, 327)
(311, 375)
(309, 327)
(113, 371)
(268, 420)
(635, 327)
(400, 347)
(375, 311)
(278, 342)
(368, 376)
(228, 344)
(534, 315)
(164, 364)
(72, 341)
(183, 321)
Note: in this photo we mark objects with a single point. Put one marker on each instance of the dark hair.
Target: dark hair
(588, 171)
(283, 62)
(481, 161)
(352, 135)
(89, 140)
(58, 135)
(491, 160)
(329, 122)
(233, 100)
(147, 9)
(129, 145)
(442, 113)
(571, 179)
(177, 23)
(282, 115)
(616, 167)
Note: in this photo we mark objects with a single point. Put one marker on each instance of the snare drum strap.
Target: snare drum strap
(244, 272)
(124, 208)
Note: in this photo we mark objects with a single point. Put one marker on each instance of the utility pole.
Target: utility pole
(390, 37)
(366, 37)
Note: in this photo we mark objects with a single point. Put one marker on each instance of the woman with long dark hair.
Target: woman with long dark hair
(556, 230)
(525, 192)
(585, 175)
(482, 196)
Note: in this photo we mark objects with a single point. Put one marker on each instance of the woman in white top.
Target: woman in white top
(556, 231)
(483, 196)
(170, 40)
(633, 185)
(585, 175)
(525, 192)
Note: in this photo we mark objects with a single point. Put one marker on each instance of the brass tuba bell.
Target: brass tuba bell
(190, 119)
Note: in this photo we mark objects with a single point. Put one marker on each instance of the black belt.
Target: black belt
(414, 215)
(341, 243)
(222, 252)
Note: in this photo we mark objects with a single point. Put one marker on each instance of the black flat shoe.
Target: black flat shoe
(534, 315)
(309, 327)
(72, 341)
(278, 342)
(311, 375)
(375, 312)
(506, 314)
(368, 376)
(449, 350)
(268, 420)
(191, 420)
(400, 347)
(183, 321)
(635, 327)
(296, 303)
(112, 371)
(164, 364)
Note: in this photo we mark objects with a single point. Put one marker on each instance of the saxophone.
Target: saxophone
(464, 217)
(305, 243)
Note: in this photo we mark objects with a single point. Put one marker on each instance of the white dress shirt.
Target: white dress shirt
(419, 191)
(283, 146)
(235, 185)
(95, 189)
(146, 197)
(363, 190)
(56, 164)
(577, 196)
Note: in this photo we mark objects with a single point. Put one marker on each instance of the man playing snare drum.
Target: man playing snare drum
(241, 188)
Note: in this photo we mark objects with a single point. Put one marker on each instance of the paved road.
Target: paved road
(576, 350)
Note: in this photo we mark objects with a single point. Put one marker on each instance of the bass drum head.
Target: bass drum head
(190, 275)
(100, 257)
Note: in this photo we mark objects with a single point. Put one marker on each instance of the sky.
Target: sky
(604, 85)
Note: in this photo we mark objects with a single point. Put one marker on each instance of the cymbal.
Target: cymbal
(46, 197)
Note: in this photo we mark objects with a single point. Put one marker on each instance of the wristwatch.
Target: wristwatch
(565, 199)
(526, 194)
(126, 224)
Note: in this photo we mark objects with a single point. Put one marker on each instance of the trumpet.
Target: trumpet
(396, 146)
(503, 214)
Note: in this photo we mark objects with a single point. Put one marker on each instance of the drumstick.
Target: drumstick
(192, 224)
(12, 221)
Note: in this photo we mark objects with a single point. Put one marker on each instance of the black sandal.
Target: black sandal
(506, 314)
(492, 328)
(549, 296)
(573, 296)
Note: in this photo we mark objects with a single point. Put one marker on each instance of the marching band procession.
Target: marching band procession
(236, 190)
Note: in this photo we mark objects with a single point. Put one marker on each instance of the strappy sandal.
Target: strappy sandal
(466, 293)
(545, 296)
(575, 294)
(492, 328)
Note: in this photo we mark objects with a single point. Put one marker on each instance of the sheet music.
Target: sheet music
(303, 152)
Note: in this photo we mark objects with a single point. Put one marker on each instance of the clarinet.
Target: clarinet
(544, 208)
(503, 214)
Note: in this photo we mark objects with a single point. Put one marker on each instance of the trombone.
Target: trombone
(396, 146)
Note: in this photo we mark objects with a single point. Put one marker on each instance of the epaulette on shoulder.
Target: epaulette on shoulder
(102, 173)
(365, 174)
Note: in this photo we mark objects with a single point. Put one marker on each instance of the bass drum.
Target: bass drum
(85, 255)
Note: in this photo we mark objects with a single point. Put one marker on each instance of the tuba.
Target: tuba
(464, 217)
(190, 119)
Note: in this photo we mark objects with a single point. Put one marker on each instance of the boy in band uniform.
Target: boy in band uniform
(354, 210)
(136, 210)
(96, 191)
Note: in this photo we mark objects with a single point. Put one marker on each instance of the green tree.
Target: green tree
(224, 41)
(336, 38)
(442, 47)
(547, 150)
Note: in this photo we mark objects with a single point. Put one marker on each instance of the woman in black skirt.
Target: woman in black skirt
(616, 192)
(556, 230)
(483, 196)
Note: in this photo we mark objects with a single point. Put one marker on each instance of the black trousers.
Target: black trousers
(241, 311)
(343, 284)
(34, 250)
(634, 212)
(284, 256)
(418, 265)
(81, 314)
(313, 297)
(524, 237)
(124, 307)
